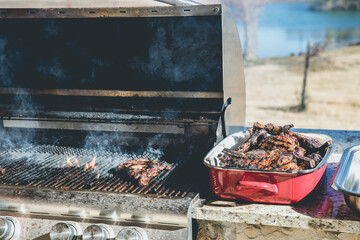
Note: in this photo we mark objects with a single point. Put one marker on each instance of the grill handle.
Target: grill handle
(257, 186)
(221, 129)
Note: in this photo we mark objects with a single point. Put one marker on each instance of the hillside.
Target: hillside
(273, 88)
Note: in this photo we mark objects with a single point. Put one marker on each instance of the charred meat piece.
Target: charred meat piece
(300, 151)
(226, 160)
(317, 157)
(245, 147)
(258, 126)
(143, 170)
(251, 131)
(276, 130)
(273, 147)
(256, 136)
(256, 154)
(287, 128)
(284, 142)
(233, 153)
(269, 127)
(286, 162)
(252, 158)
(272, 144)
(308, 161)
(285, 159)
(271, 157)
(322, 150)
(287, 138)
(289, 167)
(308, 143)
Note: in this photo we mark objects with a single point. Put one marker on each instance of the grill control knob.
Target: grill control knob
(98, 232)
(132, 234)
(65, 231)
(9, 228)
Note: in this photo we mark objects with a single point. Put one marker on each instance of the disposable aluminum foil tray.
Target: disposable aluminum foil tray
(347, 179)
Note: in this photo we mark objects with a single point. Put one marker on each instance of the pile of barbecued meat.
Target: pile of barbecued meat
(143, 170)
(275, 148)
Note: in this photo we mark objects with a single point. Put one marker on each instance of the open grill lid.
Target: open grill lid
(56, 60)
(149, 62)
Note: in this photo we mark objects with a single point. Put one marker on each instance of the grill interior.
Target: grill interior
(129, 91)
(67, 168)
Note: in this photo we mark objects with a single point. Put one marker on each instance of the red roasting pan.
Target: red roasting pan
(265, 186)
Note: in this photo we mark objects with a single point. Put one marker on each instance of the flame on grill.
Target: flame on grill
(76, 162)
(68, 161)
(91, 165)
(86, 167)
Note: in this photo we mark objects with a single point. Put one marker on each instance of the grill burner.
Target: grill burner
(65, 168)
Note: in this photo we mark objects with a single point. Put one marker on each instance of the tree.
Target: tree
(328, 5)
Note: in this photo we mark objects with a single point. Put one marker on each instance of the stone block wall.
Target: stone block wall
(209, 230)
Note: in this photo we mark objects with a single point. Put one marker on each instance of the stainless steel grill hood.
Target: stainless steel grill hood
(85, 57)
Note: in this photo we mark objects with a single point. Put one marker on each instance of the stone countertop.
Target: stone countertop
(325, 210)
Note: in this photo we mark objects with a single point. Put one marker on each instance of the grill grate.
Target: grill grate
(65, 168)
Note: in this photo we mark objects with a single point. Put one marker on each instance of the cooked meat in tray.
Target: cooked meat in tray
(275, 148)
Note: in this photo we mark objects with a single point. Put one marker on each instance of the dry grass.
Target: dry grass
(273, 88)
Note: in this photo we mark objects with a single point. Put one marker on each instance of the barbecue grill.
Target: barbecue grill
(84, 88)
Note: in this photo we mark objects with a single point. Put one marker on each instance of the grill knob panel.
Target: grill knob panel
(98, 232)
(65, 231)
(132, 234)
(9, 228)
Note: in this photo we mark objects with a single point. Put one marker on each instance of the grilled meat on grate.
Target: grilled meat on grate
(143, 170)
(273, 147)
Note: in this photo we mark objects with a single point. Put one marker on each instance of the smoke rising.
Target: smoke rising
(52, 68)
(5, 63)
(123, 142)
(186, 51)
(146, 54)
(51, 28)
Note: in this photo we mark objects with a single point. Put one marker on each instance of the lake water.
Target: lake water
(285, 28)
